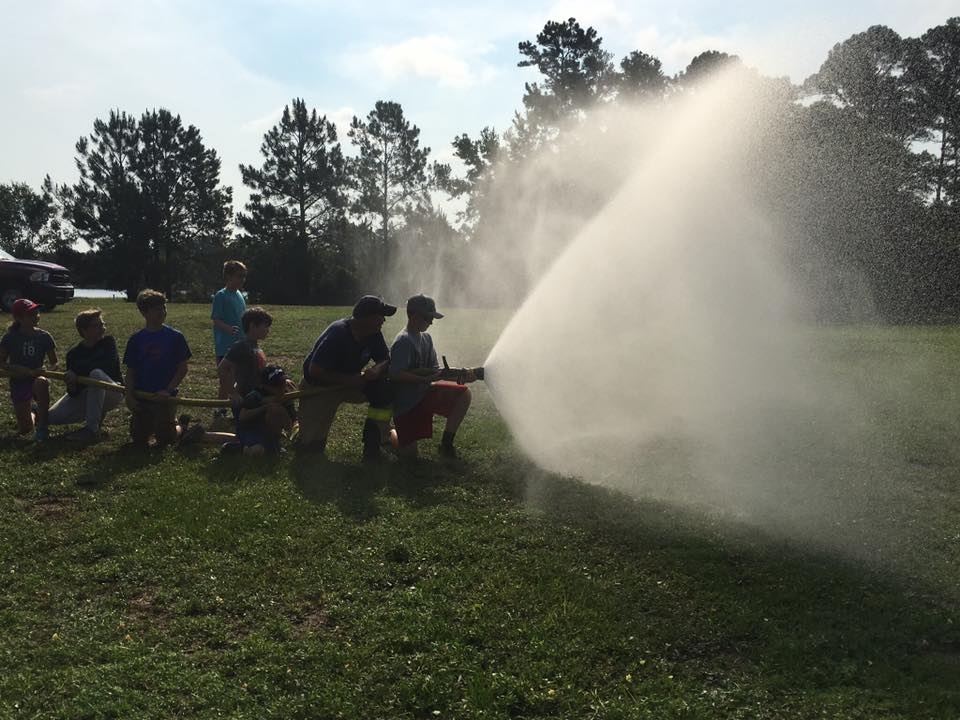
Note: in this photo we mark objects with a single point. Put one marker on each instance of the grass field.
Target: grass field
(185, 584)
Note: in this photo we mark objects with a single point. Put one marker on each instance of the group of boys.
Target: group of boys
(349, 363)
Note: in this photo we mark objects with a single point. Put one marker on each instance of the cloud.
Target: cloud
(341, 117)
(601, 14)
(260, 125)
(433, 57)
(676, 50)
(58, 92)
(75, 63)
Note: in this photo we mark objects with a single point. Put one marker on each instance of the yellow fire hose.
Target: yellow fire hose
(193, 402)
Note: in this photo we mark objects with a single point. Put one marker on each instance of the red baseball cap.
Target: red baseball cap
(23, 306)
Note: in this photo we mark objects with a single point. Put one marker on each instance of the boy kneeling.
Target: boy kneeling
(417, 397)
(264, 417)
(156, 359)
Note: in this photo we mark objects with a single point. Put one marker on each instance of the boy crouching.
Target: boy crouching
(264, 417)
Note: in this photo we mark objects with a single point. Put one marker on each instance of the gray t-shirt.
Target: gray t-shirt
(248, 360)
(409, 352)
(27, 350)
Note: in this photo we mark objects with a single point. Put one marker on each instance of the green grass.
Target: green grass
(184, 584)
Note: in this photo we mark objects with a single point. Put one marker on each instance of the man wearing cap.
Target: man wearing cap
(340, 364)
(417, 396)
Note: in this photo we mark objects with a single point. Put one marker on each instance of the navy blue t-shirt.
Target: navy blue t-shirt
(337, 350)
(154, 356)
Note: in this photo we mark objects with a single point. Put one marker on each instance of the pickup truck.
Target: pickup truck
(45, 283)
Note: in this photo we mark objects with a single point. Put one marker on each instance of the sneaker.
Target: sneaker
(294, 432)
(194, 433)
(234, 447)
(373, 455)
(447, 451)
(221, 423)
(41, 434)
(83, 435)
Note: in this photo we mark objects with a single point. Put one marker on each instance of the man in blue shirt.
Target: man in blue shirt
(339, 366)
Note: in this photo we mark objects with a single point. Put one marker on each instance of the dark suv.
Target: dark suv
(46, 284)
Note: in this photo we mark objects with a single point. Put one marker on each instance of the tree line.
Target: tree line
(872, 145)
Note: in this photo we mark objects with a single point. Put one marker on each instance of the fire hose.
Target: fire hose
(446, 373)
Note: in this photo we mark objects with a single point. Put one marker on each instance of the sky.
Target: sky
(229, 66)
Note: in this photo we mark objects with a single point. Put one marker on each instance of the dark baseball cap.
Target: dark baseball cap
(370, 305)
(273, 375)
(423, 305)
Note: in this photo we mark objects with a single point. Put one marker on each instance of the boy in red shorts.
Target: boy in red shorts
(418, 397)
(23, 347)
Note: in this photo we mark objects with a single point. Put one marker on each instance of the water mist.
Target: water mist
(667, 352)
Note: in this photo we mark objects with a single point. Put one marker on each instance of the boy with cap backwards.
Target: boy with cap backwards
(339, 363)
(418, 397)
(23, 347)
(263, 416)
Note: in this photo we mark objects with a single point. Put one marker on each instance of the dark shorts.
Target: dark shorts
(153, 418)
(417, 424)
(21, 389)
(250, 434)
(255, 433)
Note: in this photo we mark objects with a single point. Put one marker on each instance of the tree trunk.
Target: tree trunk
(943, 152)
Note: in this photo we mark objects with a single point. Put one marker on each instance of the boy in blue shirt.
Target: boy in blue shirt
(227, 314)
(156, 359)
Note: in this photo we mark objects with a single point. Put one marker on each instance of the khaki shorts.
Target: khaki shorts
(318, 411)
(153, 418)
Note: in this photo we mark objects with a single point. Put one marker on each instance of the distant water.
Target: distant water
(95, 293)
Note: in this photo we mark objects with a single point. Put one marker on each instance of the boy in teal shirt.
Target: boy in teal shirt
(228, 309)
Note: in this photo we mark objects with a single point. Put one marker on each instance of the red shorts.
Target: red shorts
(417, 424)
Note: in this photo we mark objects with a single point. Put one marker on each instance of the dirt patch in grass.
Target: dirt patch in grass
(50, 507)
(311, 620)
(144, 608)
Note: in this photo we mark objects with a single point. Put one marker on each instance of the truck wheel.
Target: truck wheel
(8, 297)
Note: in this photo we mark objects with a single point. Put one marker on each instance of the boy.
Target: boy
(263, 417)
(227, 314)
(95, 356)
(156, 359)
(417, 398)
(23, 348)
(239, 368)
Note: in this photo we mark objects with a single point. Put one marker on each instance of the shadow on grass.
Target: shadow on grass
(106, 467)
(351, 487)
(50, 449)
(416, 480)
(230, 469)
(748, 607)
